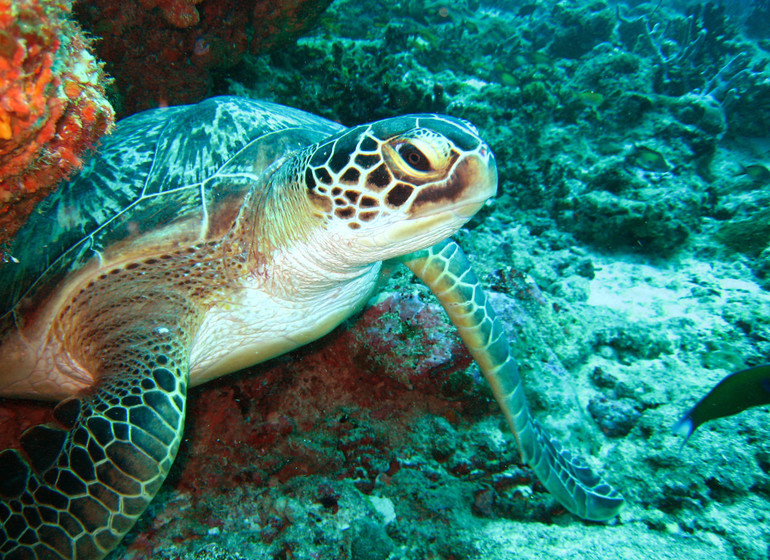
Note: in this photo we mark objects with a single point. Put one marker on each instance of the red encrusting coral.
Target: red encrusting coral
(177, 13)
(164, 52)
(336, 407)
(372, 401)
(52, 104)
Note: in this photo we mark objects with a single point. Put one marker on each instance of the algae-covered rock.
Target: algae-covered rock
(370, 542)
(615, 418)
(580, 26)
(703, 112)
(762, 268)
(608, 221)
(750, 235)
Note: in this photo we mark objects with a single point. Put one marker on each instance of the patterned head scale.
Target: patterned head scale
(388, 178)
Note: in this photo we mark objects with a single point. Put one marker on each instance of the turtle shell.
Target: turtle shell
(159, 167)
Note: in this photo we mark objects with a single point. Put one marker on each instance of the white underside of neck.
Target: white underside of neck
(287, 305)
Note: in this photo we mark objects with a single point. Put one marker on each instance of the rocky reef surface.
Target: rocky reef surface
(628, 252)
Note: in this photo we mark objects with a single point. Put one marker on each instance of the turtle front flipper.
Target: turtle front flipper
(447, 272)
(74, 489)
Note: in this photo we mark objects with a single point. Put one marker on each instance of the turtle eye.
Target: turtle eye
(414, 157)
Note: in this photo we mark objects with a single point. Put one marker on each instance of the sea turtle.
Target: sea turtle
(205, 238)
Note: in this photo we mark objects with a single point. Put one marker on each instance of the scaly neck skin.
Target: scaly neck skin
(290, 247)
(279, 212)
(303, 272)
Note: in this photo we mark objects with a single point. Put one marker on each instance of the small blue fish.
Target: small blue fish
(756, 172)
(648, 159)
(734, 394)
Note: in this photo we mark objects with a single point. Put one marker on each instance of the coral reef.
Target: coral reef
(52, 104)
(567, 101)
(167, 52)
(701, 51)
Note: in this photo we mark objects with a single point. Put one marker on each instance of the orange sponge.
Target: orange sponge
(52, 104)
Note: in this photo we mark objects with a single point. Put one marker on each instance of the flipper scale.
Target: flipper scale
(85, 481)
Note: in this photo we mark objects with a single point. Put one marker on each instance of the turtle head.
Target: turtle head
(399, 185)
